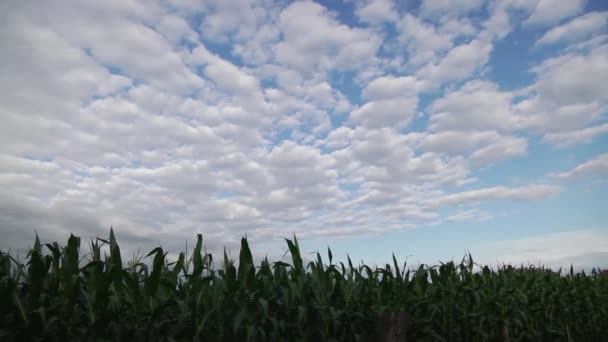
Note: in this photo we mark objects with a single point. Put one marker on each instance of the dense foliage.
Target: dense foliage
(57, 294)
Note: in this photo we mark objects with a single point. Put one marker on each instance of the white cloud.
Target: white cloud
(392, 103)
(385, 113)
(485, 147)
(459, 63)
(176, 29)
(104, 30)
(314, 40)
(379, 146)
(423, 40)
(539, 114)
(585, 135)
(58, 73)
(527, 193)
(477, 105)
(499, 24)
(383, 164)
(469, 215)
(548, 12)
(259, 49)
(388, 87)
(230, 78)
(456, 142)
(581, 71)
(565, 95)
(339, 138)
(376, 11)
(577, 29)
(431, 8)
(597, 166)
(506, 147)
(223, 20)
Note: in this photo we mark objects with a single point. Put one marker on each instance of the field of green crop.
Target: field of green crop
(62, 294)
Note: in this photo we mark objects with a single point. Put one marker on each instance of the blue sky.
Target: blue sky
(423, 128)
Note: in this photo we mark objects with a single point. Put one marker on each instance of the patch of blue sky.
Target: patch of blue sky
(512, 59)
(420, 120)
(578, 206)
(346, 83)
(42, 157)
(278, 136)
(343, 10)
(349, 189)
(225, 194)
(541, 159)
(596, 5)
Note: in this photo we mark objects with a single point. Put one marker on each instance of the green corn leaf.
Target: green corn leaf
(197, 258)
(295, 255)
(115, 257)
(153, 281)
(398, 274)
(179, 265)
(37, 272)
(245, 261)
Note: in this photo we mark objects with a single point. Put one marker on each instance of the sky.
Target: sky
(421, 128)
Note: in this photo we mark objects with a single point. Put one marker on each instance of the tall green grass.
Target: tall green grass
(58, 294)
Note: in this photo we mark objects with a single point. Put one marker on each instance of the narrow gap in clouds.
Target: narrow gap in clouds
(281, 136)
(420, 121)
(41, 158)
(344, 82)
(350, 189)
(222, 50)
(268, 83)
(111, 68)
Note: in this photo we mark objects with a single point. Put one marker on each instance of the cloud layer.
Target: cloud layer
(262, 118)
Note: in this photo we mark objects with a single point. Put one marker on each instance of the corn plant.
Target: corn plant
(57, 294)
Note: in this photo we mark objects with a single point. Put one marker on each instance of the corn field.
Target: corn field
(60, 294)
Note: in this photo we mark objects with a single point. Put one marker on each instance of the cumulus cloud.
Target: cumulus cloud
(387, 87)
(385, 113)
(483, 147)
(527, 193)
(473, 214)
(392, 103)
(506, 147)
(423, 39)
(585, 135)
(597, 166)
(314, 40)
(548, 12)
(582, 69)
(562, 99)
(577, 29)
(376, 11)
(565, 96)
(460, 63)
(230, 78)
(476, 105)
(459, 7)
